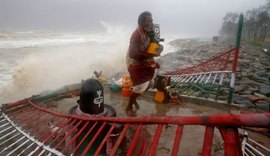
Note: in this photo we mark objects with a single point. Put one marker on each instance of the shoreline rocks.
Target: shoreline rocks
(253, 70)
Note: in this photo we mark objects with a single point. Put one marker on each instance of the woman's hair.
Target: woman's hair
(142, 17)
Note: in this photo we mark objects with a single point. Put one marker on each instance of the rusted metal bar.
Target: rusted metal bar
(21, 112)
(208, 139)
(119, 140)
(204, 66)
(177, 139)
(73, 140)
(62, 131)
(93, 139)
(226, 62)
(228, 120)
(104, 140)
(154, 144)
(134, 140)
(86, 135)
(48, 131)
(41, 124)
(232, 144)
(27, 136)
(69, 133)
(48, 136)
(51, 131)
(143, 148)
(26, 117)
(11, 105)
(248, 120)
(26, 123)
(54, 131)
(238, 40)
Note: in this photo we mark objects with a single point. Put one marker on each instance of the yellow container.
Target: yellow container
(152, 49)
(159, 97)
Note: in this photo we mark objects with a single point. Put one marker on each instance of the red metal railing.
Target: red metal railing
(217, 63)
(55, 133)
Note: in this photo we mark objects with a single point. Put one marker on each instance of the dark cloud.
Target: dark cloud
(194, 17)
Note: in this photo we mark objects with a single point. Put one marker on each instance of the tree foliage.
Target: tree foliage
(256, 24)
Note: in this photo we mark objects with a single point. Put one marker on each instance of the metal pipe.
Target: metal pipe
(214, 80)
(26, 148)
(58, 127)
(208, 78)
(134, 140)
(30, 137)
(9, 139)
(93, 139)
(207, 142)
(62, 130)
(2, 137)
(17, 147)
(33, 120)
(104, 140)
(119, 140)
(154, 144)
(75, 137)
(248, 120)
(40, 124)
(263, 147)
(5, 129)
(52, 133)
(68, 134)
(86, 135)
(20, 112)
(250, 152)
(3, 125)
(177, 139)
(231, 137)
(254, 149)
(14, 143)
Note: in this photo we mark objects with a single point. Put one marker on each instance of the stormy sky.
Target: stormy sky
(183, 17)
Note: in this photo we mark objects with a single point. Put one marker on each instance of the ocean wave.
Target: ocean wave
(28, 40)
